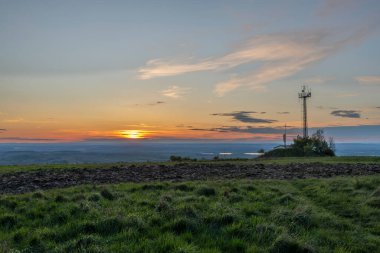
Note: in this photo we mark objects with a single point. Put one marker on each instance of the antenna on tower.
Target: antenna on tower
(304, 95)
(284, 136)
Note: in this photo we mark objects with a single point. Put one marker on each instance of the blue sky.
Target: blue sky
(72, 70)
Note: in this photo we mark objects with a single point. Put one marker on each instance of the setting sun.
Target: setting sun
(132, 134)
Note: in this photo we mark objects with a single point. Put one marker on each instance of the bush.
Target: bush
(174, 158)
(316, 145)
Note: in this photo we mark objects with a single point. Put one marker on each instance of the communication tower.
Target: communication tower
(304, 95)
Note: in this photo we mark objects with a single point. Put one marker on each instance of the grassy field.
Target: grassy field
(280, 160)
(313, 215)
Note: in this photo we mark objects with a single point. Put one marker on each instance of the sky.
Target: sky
(167, 70)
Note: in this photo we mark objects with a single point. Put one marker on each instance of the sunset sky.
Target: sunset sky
(94, 70)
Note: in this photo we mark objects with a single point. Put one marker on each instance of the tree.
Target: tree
(316, 145)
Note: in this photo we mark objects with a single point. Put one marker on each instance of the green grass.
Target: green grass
(279, 160)
(313, 215)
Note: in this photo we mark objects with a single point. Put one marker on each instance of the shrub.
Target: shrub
(174, 158)
(316, 145)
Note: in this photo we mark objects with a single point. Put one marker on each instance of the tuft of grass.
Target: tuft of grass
(8, 221)
(107, 194)
(38, 195)
(58, 217)
(60, 199)
(235, 245)
(183, 187)
(206, 191)
(285, 244)
(286, 199)
(94, 197)
(8, 203)
(182, 225)
(374, 202)
(110, 226)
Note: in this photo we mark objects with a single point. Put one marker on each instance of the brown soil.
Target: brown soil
(21, 182)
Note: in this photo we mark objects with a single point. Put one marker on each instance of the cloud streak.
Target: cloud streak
(249, 129)
(346, 113)
(244, 116)
(368, 79)
(175, 92)
(370, 132)
(152, 104)
(279, 56)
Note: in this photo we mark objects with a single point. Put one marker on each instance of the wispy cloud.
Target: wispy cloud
(249, 129)
(282, 55)
(332, 7)
(14, 120)
(283, 112)
(244, 116)
(370, 132)
(175, 92)
(317, 80)
(344, 95)
(368, 79)
(152, 104)
(262, 48)
(346, 113)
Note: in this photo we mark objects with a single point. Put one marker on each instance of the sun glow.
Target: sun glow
(132, 134)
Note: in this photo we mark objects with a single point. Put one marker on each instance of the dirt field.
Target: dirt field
(21, 182)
